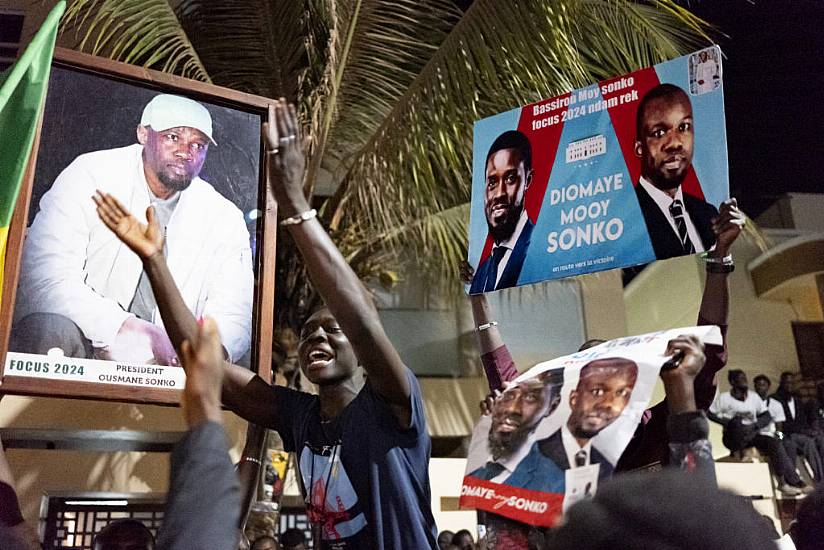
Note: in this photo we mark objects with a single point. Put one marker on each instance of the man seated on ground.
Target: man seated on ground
(800, 422)
(793, 442)
(363, 445)
(743, 414)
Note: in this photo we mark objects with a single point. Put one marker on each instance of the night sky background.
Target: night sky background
(773, 93)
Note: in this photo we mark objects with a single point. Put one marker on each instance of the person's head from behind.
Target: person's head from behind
(266, 542)
(603, 391)
(789, 382)
(445, 539)
(519, 409)
(667, 510)
(664, 136)
(175, 133)
(124, 534)
(325, 354)
(293, 539)
(463, 540)
(807, 531)
(508, 174)
(762, 385)
(737, 379)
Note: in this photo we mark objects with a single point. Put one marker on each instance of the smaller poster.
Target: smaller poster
(620, 173)
(558, 430)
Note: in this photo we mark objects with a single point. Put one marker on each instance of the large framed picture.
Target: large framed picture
(79, 318)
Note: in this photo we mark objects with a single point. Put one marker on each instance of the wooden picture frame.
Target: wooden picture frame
(89, 98)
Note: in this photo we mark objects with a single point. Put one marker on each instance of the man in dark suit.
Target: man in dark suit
(677, 223)
(603, 391)
(515, 415)
(508, 175)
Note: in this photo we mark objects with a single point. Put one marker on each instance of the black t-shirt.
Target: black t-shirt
(365, 479)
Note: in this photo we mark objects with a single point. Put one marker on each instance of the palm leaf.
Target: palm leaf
(256, 46)
(418, 161)
(376, 48)
(140, 32)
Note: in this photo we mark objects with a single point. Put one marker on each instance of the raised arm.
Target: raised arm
(715, 303)
(495, 357)
(331, 276)
(203, 504)
(243, 392)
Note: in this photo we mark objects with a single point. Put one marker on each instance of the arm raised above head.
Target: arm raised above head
(333, 278)
(243, 392)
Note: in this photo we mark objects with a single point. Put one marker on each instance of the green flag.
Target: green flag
(22, 91)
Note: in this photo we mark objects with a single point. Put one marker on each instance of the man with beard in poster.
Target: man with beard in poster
(508, 176)
(514, 416)
(603, 391)
(81, 289)
(677, 222)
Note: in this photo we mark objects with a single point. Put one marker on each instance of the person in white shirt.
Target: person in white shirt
(83, 291)
(743, 414)
(677, 222)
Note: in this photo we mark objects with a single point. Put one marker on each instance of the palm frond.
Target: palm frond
(140, 32)
(418, 161)
(376, 49)
(256, 46)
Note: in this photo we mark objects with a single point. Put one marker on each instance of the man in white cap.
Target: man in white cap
(82, 291)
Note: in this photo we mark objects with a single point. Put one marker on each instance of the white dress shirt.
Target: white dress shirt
(663, 200)
(571, 447)
(509, 244)
(74, 266)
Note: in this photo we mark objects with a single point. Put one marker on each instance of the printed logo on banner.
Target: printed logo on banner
(616, 174)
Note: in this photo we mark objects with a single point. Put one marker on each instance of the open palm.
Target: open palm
(145, 239)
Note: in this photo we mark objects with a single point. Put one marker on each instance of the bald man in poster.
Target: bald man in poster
(603, 392)
(677, 223)
(507, 176)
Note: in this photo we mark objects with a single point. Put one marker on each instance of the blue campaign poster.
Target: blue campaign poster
(620, 173)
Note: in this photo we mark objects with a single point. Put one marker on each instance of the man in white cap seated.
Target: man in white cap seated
(81, 290)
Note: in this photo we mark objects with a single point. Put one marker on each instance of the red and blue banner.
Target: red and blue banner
(586, 181)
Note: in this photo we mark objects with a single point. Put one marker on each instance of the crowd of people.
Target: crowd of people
(362, 445)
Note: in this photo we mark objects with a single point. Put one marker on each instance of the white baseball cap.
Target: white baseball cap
(166, 111)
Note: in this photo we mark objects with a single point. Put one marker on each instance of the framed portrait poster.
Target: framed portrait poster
(79, 318)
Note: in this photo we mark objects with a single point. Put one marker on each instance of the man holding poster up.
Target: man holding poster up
(678, 223)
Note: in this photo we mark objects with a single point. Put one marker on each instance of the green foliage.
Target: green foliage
(388, 92)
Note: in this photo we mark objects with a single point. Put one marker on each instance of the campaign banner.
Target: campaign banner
(620, 173)
(56, 366)
(558, 430)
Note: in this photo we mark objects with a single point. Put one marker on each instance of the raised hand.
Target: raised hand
(287, 162)
(144, 239)
(692, 360)
(727, 225)
(467, 272)
(203, 361)
(679, 381)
